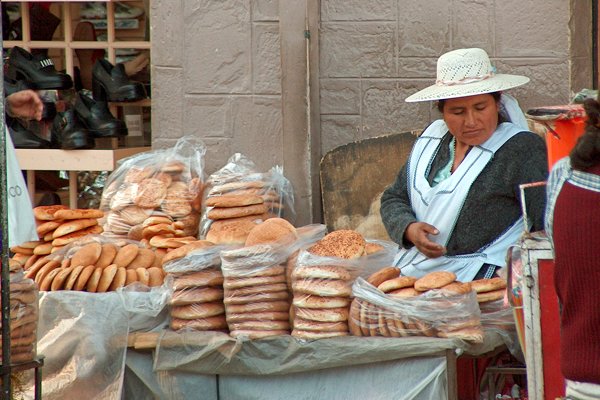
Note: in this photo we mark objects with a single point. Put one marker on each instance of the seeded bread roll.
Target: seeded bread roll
(231, 233)
(312, 301)
(343, 243)
(397, 283)
(321, 272)
(434, 280)
(322, 287)
(491, 296)
(252, 282)
(457, 288)
(258, 307)
(234, 212)
(315, 335)
(488, 285)
(383, 275)
(323, 314)
(258, 334)
(198, 310)
(207, 277)
(258, 316)
(211, 323)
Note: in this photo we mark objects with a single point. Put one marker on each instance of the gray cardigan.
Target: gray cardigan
(493, 203)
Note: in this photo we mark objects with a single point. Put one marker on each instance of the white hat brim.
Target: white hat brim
(496, 83)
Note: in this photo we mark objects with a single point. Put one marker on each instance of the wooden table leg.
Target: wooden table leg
(73, 192)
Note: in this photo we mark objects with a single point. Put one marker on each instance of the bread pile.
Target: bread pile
(197, 300)
(95, 265)
(23, 317)
(57, 226)
(322, 291)
(256, 296)
(167, 190)
(489, 290)
(435, 288)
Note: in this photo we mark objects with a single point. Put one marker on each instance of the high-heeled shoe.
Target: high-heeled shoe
(23, 138)
(110, 83)
(37, 70)
(97, 118)
(68, 132)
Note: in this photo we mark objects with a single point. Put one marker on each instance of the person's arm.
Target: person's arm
(533, 168)
(396, 210)
(24, 104)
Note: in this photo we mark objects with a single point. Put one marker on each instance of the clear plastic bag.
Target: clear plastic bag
(23, 319)
(433, 313)
(166, 183)
(240, 176)
(256, 296)
(322, 289)
(197, 283)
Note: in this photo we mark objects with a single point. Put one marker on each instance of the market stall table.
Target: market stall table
(284, 367)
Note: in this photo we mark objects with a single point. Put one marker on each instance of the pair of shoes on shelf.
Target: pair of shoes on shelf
(23, 138)
(111, 83)
(35, 69)
(11, 87)
(87, 120)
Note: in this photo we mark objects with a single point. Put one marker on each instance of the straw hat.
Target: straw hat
(466, 72)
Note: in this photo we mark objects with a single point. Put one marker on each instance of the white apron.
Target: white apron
(440, 206)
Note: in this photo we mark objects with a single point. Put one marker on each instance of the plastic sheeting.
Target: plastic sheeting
(215, 353)
(83, 338)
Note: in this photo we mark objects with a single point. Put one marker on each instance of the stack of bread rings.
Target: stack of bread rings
(393, 292)
(322, 285)
(256, 296)
(197, 300)
(23, 316)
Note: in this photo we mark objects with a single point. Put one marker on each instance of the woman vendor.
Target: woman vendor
(455, 204)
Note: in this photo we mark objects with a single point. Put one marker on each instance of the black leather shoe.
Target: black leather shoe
(68, 132)
(23, 138)
(37, 70)
(97, 118)
(111, 83)
(11, 87)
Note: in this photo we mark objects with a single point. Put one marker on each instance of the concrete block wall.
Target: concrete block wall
(216, 74)
(374, 54)
(217, 69)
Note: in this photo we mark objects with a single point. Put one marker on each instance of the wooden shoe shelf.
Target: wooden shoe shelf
(63, 50)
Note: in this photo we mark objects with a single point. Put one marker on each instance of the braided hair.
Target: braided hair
(586, 152)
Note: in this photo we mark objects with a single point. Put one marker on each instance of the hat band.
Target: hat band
(441, 82)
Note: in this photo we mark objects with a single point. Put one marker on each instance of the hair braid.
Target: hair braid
(586, 152)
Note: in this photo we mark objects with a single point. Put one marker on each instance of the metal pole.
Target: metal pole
(5, 280)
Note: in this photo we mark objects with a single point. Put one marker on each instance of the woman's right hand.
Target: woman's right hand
(418, 234)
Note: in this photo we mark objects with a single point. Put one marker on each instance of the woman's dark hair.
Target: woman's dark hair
(586, 152)
(496, 95)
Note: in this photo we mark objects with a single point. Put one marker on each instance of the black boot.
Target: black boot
(68, 132)
(110, 83)
(23, 138)
(97, 118)
(37, 70)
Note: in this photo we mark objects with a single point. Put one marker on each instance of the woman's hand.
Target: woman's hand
(25, 104)
(418, 234)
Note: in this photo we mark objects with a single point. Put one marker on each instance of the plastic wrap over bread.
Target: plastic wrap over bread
(322, 281)
(156, 193)
(239, 193)
(407, 310)
(97, 264)
(255, 284)
(23, 318)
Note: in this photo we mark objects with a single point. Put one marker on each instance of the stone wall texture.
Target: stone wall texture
(216, 66)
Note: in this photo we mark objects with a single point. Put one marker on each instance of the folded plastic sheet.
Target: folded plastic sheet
(83, 339)
(215, 353)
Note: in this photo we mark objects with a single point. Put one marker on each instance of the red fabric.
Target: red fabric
(577, 277)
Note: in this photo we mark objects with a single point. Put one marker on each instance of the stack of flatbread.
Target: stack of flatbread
(322, 291)
(57, 226)
(23, 318)
(488, 290)
(197, 282)
(256, 296)
(166, 190)
(97, 265)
